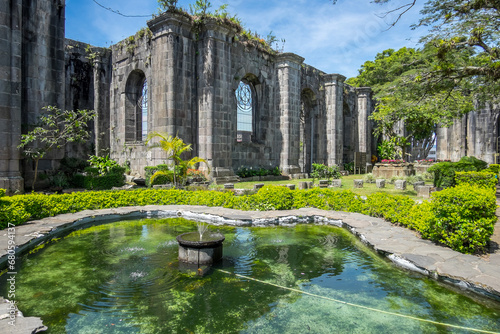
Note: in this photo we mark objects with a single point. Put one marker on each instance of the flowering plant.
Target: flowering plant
(425, 161)
(392, 161)
(195, 173)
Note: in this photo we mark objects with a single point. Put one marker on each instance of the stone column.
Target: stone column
(10, 97)
(288, 65)
(214, 93)
(102, 84)
(364, 124)
(334, 101)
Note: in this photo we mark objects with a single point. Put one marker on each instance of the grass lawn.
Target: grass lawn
(347, 183)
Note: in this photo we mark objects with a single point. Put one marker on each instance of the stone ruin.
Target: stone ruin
(235, 101)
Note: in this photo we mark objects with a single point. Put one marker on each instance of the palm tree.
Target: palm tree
(175, 147)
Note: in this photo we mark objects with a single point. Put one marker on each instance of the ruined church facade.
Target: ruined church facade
(236, 102)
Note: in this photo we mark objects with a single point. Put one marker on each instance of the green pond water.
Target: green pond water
(124, 277)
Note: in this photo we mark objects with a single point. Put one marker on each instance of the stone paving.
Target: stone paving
(402, 246)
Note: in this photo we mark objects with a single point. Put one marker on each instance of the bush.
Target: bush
(369, 178)
(328, 199)
(480, 179)
(113, 177)
(320, 171)
(414, 178)
(244, 172)
(150, 170)
(464, 217)
(393, 208)
(2, 192)
(272, 197)
(494, 168)
(444, 172)
(162, 177)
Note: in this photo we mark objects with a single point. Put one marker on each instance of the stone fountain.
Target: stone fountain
(200, 247)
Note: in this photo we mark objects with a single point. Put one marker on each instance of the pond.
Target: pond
(124, 277)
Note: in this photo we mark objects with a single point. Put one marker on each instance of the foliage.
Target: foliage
(250, 171)
(150, 170)
(114, 177)
(444, 172)
(196, 174)
(272, 197)
(369, 178)
(414, 178)
(494, 168)
(2, 192)
(175, 147)
(54, 129)
(481, 179)
(387, 150)
(349, 167)
(168, 4)
(162, 177)
(461, 217)
(394, 208)
(320, 171)
(464, 217)
(103, 164)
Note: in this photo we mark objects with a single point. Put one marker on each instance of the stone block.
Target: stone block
(257, 186)
(323, 183)
(228, 185)
(380, 183)
(291, 186)
(425, 191)
(303, 185)
(400, 184)
(358, 183)
(337, 183)
(418, 184)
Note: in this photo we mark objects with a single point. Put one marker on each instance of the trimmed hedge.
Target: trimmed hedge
(481, 179)
(461, 218)
(444, 172)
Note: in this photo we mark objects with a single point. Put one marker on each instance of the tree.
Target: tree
(54, 129)
(409, 110)
(175, 147)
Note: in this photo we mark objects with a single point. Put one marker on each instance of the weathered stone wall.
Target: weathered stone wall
(10, 94)
(474, 135)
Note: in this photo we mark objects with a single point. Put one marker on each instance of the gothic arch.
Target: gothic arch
(136, 107)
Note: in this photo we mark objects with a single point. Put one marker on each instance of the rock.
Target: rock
(380, 183)
(228, 185)
(257, 186)
(400, 184)
(418, 184)
(358, 183)
(337, 183)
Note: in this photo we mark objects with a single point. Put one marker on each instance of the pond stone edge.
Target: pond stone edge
(44, 230)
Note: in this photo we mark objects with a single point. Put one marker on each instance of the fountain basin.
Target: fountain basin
(205, 251)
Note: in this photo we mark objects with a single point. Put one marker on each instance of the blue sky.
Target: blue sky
(333, 38)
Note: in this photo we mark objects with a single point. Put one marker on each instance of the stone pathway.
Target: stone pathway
(402, 246)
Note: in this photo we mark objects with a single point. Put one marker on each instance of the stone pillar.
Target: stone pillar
(10, 97)
(102, 84)
(334, 101)
(364, 124)
(288, 65)
(216, 138)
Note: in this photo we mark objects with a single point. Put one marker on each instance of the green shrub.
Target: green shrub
(320, 171)
(104, 165)
(414, 178)
(2, 192)
(150, 170)
(494, 168)
(444, 172)
(271, 197)
(419, 218)
(328, 199)
(393, 208)
(464, 217)
(250, 171)
(162, 177)
(481, 179)
(369, 178)
(103, 182)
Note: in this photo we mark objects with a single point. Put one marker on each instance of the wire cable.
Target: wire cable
(118, 12)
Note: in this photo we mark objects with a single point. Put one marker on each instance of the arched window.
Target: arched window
(142, 108)
(245, 112)
(136, 107)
